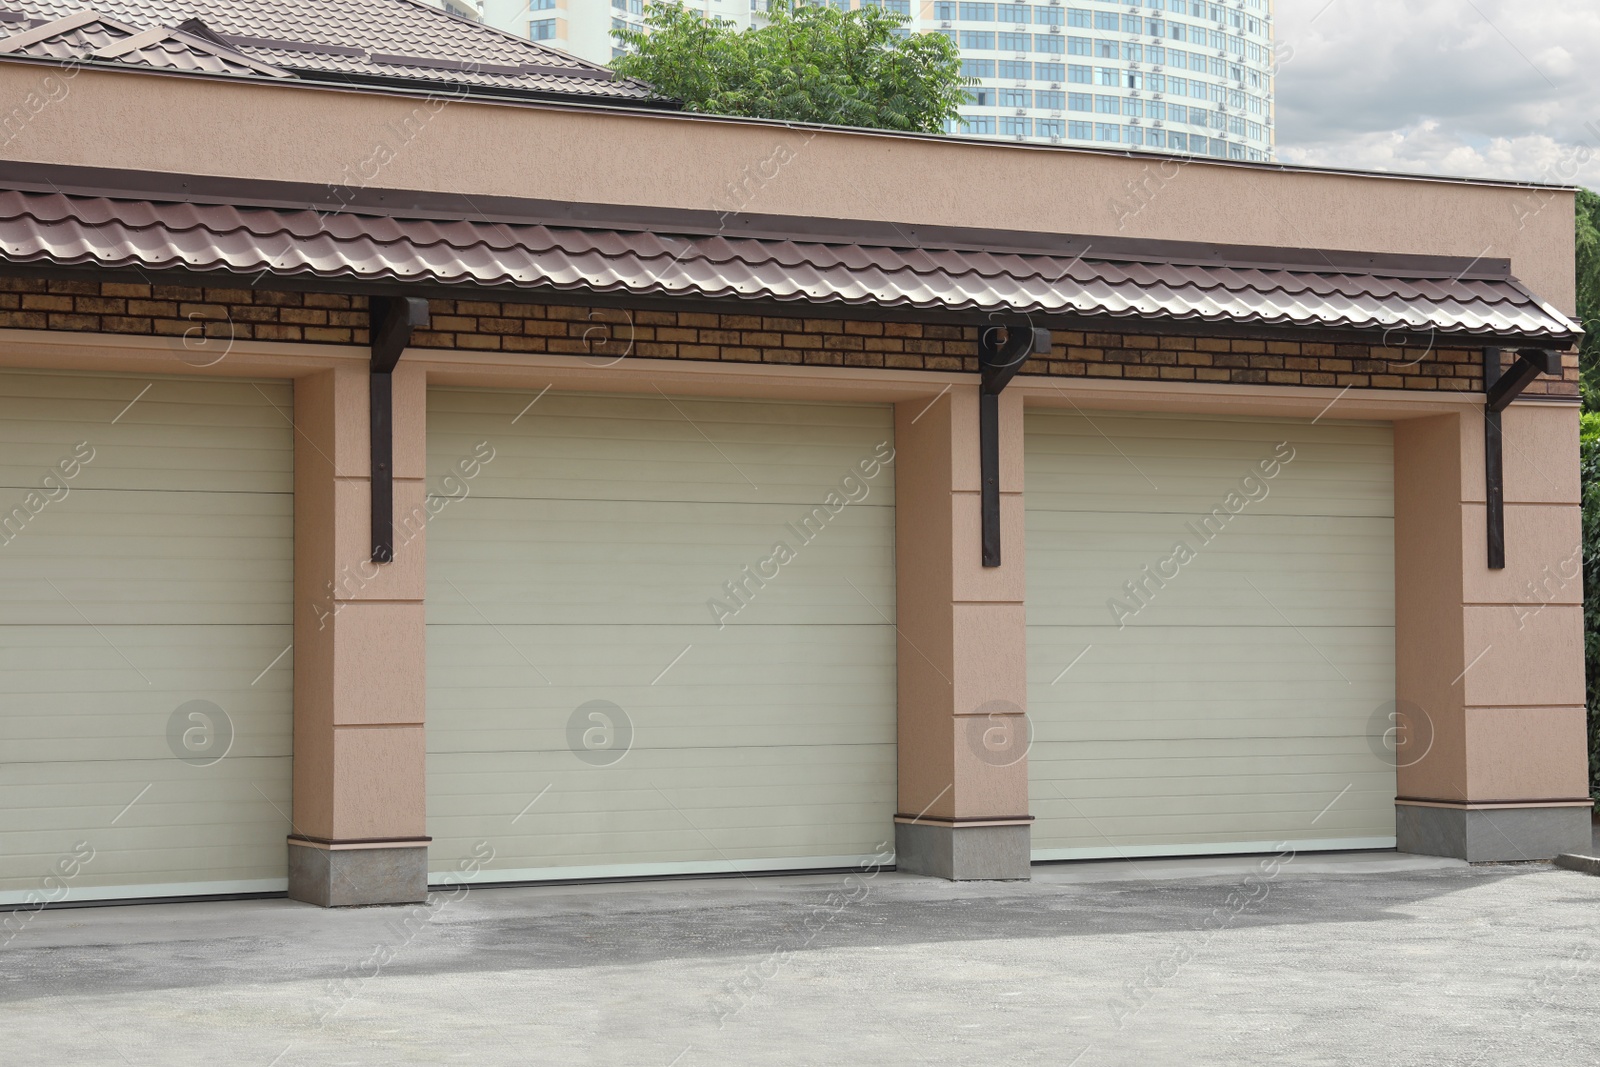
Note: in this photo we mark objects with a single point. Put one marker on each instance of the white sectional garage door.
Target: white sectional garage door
(591, 711)
(1229, 705)
(146, 577)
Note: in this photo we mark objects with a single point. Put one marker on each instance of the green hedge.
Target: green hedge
(1591, 588)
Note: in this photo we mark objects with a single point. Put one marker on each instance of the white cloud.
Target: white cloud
(1482, 88)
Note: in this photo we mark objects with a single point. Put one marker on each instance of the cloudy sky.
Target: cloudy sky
(1486, 88)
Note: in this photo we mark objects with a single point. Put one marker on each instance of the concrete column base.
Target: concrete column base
(964, 853)
(1491, 835)
(349, 877)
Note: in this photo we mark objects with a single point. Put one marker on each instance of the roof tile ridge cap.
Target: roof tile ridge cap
(218, 49)
(1544, 305)
(141, 39)
(56, 27)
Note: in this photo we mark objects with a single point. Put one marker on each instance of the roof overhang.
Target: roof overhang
(390, 241)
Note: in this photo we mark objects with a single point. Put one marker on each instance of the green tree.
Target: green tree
(1590, 468)
(808, 63)
(1588, 245)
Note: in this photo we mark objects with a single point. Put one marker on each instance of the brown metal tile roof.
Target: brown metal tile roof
(89, 35)
(45, 227)
(385, 42)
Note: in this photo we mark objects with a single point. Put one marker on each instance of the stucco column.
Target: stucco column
(359, 789)
(963, 735)
(1491, 749)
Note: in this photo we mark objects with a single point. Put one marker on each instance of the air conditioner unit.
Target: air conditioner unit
(1055, 85)
(1158, 125)
(1021, 111)
(1021, 85)
(1055, 29)
(946, 25)
(1055, 114)
(1055, 140)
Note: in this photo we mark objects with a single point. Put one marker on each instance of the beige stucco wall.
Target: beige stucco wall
(359, 714)
(962, 630)
(1493, 659)
(338, 137)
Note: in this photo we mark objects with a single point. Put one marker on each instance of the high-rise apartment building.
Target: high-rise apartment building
(1188, 76)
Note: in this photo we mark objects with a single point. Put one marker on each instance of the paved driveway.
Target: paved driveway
(1335, 960)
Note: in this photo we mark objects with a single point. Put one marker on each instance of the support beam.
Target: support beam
(1001, 352)
(1500, 388)
(392, 320)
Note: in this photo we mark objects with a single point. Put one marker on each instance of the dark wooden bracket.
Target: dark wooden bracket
(1500, 388)
(391, 321)
(1001, 352)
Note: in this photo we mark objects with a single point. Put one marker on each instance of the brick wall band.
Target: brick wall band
(270, 315)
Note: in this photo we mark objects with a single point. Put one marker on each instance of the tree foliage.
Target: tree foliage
(808, 63)
(1590, 468)
(1588, 245)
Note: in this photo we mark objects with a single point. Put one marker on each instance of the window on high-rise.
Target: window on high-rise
(1050, 44)
(1107, 20)
(945, 10)
(978, 97)
(1133, 79)
(1080, 101)
(1050, 99)
(977, 123)
(1013, 126)
(1083, 131)
(1155, 138)
(977, 12)
(1077, 16)
(1080, 74)
(1079, 46)
(1178, 141)
(1132, 108)
(1156, 83)
(1107, 131)
(1156, 110)
(1056, 128)
(1051, 72)
(1107, 76)
(1048, 16)
(977, 68)
(1108, 105)
(978, 39)
(1133, 134)
(1015, 42)
(545, 29)
(1177, 113)
(1016, 98)
(1017, 13)
(1015, 70)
